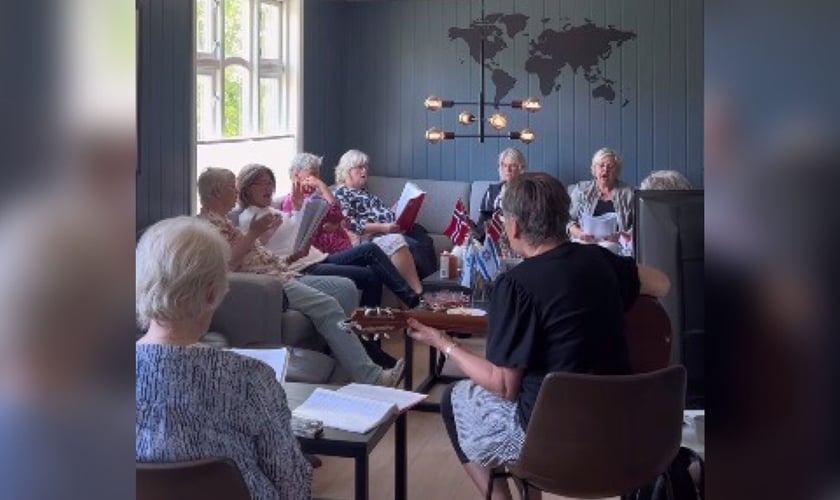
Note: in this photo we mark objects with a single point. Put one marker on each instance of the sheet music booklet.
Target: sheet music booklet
(408, 206)
(277, 359)
(599, 226)
(356, 407)
(310, 217)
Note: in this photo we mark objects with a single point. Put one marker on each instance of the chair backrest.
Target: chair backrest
(647, 331)
(205, 479)
(596, 436)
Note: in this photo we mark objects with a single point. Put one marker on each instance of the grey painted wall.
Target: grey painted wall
(383, 58)
(165, 112)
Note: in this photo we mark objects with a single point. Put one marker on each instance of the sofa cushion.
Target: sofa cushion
(440, 198)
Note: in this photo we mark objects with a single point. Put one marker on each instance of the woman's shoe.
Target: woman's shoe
(392, 377)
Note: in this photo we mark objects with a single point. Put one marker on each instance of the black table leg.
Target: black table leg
(362, 476)
(400, 454)
(408, 378)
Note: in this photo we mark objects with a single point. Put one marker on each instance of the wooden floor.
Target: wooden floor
(433, 469)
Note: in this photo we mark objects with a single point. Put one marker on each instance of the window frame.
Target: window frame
(214, 64)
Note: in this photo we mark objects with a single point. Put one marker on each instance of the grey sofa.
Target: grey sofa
(254, 312)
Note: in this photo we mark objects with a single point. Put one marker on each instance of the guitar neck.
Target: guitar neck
(372, 321)
(461, 323)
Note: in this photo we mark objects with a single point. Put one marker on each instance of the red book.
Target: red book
(408, 206)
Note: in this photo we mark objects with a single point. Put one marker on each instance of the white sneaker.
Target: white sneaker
(392, 377)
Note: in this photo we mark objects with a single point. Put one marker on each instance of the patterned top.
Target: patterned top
(361, 207)
(585, 195)
(258, 260)
(198, 402)
(327, 242)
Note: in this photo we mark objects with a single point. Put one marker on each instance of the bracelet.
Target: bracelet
(449, 348)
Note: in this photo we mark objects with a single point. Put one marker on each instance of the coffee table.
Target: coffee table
(337, 443)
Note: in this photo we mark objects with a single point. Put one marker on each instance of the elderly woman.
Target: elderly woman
(196, 402)
(604, 194)
(365, 264)
(572, 323)
(665, 180)
(305, 174)
(511, 163)
(311, 295)
(369, 217)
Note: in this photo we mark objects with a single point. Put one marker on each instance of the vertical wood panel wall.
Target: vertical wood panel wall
(166, 100)
(383, 58)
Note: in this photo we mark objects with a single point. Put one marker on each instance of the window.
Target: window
(240, 69)
(247, 84)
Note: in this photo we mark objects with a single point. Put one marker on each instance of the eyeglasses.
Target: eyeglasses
(263, 184)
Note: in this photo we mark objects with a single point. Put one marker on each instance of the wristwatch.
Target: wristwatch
(449, 348)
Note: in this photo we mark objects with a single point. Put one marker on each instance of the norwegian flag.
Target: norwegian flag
(458, 228)
(495, 228)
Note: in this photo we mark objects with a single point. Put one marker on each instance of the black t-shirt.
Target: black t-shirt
(562, 311)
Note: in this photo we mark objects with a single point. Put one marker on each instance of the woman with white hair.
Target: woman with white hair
(323, 299)
(511, 163)
(602, 195)
(665, 180)
(196, 402)
(370, 218)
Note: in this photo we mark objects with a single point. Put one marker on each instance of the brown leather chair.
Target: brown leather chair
(205, 479)
(597, 436)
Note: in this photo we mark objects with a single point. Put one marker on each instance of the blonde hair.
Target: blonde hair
(665, 179)
(211, 180)
(248, 176)
(304, 161)
(605, 153)
(349, 160)
(178, 261)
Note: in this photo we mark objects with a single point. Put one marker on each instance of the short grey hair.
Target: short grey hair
(305, 162)
(349, 160)
(178, 261)
(514, 154)
(247, 176)
(606, 153)
(665, 179)
(211, 180)
(540, 204)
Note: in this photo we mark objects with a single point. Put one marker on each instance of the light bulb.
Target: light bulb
(465, 118)
(435, 135)
(531, 105)
(498, 121)
(434, 103)
(527, 136)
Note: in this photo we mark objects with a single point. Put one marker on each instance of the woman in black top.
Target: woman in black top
(561, 309)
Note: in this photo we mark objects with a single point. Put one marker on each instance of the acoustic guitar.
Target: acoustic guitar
(375, 322)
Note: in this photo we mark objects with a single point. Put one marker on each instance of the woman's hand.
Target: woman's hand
(298, 255)
(392, 227)
(613, 237)
(297, 195)
(428, 335)
(260, 225)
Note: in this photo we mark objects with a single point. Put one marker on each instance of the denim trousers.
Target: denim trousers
(363, 277)
(371, 257)
(325, 300)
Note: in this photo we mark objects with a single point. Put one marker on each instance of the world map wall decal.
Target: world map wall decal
(580, 48)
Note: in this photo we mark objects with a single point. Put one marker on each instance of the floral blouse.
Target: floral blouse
(327, 242)
(361, 207)
(258, 260)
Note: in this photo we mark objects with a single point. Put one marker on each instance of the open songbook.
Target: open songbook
(408, 206)
(277, 359)
(309, 220)
(356, 407)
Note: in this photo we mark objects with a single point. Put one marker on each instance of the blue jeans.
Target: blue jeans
(324, 299)
(379, 269)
